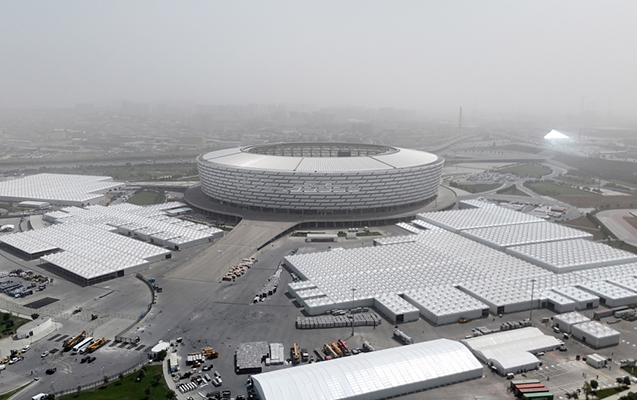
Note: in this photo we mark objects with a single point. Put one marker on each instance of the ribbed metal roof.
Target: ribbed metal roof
(240, 157)
(374, 375)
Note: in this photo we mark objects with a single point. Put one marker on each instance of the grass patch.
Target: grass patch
(512, 191)
(11, 393)
(478, 187)
(552, 189)
(129, 388)
(10, 323)
(600, 202)
(147, 197)
(603, 393)
(527, 170)
(577, 180)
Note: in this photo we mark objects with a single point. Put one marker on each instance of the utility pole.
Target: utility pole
(352, 310)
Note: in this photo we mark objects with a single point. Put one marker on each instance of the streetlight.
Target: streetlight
(352, 311)
(531, 312)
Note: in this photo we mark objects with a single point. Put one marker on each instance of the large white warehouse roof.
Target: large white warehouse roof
(515, 235)
(376, 375)
(457, 220)
(571, 255)
(61, 189)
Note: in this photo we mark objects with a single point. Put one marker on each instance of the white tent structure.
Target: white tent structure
(377, 375)
(553, 134)
(595, 334)
(511, 351)
(565, 322)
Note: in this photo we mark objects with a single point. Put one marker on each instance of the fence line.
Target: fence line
(120, 336)
(100, 382)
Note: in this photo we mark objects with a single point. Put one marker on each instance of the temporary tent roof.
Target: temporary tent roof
(57, 188)
(514, 235)
(499, 344)
(570, 255)
(457, 220)
(375, 375)
(553, 134)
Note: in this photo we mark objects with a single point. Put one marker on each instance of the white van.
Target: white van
(40, 396)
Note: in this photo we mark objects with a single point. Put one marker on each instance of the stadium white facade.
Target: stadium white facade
(320, 177)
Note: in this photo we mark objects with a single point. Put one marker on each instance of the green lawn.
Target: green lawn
(528, 170)
(7, 326)
(512, 191)
(603, 393)
(577, 180)
(11, 393)
(551, 189)
(147, 197)
(129, 388)
(478, 187)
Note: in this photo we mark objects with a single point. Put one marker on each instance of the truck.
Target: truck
(209, 352)
(304, 355)
(327, 348)
(336, 349)
(68, 345)
(96, 345)
(319, 354)
(296, 355)
(341, 343)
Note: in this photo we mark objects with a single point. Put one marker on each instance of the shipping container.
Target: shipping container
(538, 396)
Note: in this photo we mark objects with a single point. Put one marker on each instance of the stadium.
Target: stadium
(320, 178)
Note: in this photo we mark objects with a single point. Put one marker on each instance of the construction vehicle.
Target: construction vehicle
(329, 350)
(208, 352)
(337, 349)
(319, 354)
(68, 345)
(96, 345)
(296, 356)
(344, 347)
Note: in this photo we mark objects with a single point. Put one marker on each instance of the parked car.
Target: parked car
(51, 371)
(90, 360)
(46, 353)
(25, 348)
(85, 359)
(14, 360)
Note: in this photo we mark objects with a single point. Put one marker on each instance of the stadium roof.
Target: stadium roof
(398, 158)
(375, 375)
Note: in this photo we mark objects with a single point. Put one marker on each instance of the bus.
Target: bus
(82, 345)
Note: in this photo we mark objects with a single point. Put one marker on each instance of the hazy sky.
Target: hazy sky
(498, 56)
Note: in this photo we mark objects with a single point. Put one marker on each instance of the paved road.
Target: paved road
(614, 220)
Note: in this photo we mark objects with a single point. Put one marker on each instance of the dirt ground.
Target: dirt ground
(584, 224)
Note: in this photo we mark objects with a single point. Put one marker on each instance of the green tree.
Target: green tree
(594, 384)
(161, 355)
(147, 391)
(626, 381)
(171, 395)
(588, 390)
(105, 380)
(156, 378)
(5, 317)
(141, 374)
